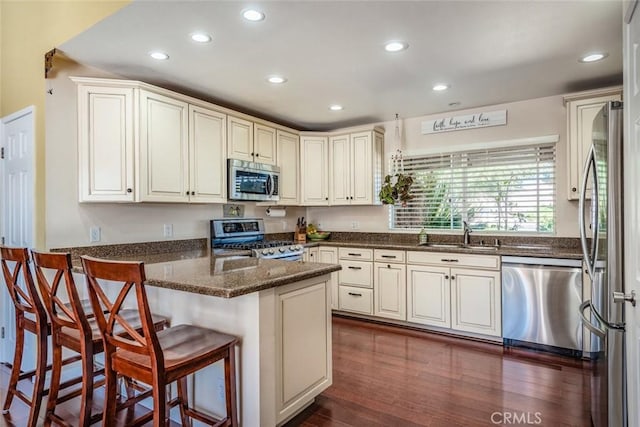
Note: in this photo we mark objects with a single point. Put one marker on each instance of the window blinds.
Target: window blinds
(501, 189)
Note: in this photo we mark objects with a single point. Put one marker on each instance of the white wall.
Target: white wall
(529, 118)
(68, 222)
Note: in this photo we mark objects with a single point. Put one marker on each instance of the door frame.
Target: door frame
(5, 301)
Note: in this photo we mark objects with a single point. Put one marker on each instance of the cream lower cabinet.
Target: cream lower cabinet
(457, 291)
(429, 295)
(303, 346)
(389, 284)
(355, 280)
(476, 301)
(328, 255)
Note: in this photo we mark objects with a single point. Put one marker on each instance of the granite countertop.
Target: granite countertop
(538, 251)
(198, 271)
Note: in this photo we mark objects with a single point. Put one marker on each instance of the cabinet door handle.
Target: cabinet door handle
(193, 193)
(252, 154)
(187, 192)
(574, 189)
(388, 265)
(326, 198)
(350, 254)
(354, 268)
(353, 294)
(453, 277)
(129, 190)
(388, 256)
(448, 260)
(446, 277)
(257, 155)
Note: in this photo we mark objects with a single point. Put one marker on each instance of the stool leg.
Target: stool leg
(54, 387)
(17, 364)
(159, 403)
(230, 385)
(184, 401)
(86, 403)
(110, 397)
(38, 386)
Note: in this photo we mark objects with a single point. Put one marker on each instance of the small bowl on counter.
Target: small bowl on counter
(318, 235)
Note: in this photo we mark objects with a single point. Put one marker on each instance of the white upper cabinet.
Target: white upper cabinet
(582, 108)
(251, 142)
(340, 169)
(207, 155)
(289, 163)
(106, 143)
(314, 154)
(164, 148)
(355, 168)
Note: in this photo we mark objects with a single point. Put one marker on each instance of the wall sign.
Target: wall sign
(470, 121)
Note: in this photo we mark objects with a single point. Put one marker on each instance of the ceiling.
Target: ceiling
(489, 52)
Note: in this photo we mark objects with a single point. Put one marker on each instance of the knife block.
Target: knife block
(300, 235)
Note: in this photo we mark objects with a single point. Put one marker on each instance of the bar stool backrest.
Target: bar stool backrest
(25, 297)
(128, 275)
(69, 315)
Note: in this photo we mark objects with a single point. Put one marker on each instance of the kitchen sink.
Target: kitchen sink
(441, 245)
(458, 246)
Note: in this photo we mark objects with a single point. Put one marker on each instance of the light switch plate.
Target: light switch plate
(167, 230)
(94, 234)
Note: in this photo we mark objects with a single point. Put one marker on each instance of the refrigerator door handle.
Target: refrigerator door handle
(590, 326)
(589, 259)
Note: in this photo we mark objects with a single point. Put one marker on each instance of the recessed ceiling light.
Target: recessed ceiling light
(201, 37)
(253, 15)
(593, 57)
(440, 87)
(335, 107)
(276, 79)
(395, 46)
(159, 55)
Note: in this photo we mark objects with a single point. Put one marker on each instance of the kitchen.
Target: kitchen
(137, 222)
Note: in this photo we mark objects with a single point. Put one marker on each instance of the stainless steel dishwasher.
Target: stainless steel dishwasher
(539, 300)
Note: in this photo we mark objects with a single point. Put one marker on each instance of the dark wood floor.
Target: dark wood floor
(386, 376)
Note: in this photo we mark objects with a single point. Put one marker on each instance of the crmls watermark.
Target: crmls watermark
(510, 418)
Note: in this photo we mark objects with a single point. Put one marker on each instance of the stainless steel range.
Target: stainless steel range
(248, 235)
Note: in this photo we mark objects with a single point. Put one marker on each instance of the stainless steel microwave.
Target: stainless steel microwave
(253, 181)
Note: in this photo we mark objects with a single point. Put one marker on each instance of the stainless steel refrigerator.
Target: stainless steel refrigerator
(601, 233)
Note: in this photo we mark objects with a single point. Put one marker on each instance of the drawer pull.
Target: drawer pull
(353, 294)
(448, 260)
(350, 254)
(389, 256)
(354, 268)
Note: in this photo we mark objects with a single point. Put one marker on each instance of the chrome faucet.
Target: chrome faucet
(467, 231)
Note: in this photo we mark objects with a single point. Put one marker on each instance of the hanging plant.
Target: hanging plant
(397, 191)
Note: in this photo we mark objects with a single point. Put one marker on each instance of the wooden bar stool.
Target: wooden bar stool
(155, 358)
(75, 329)
(30, 315)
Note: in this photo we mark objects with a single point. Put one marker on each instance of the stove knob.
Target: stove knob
(271, 251)
(265, 252)
(292, 248)
(298, 248)
(283, 249)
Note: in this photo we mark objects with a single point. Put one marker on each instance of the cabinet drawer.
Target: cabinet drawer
(357, 300)
(491, 262)
(389, 256)
(356, 273)
(355, 254)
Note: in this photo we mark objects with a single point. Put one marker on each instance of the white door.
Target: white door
(390, 291)
(330, 256)
(429, 295)
(240, 139)
(289, 162)
(361, 169)
(314, 154)
(631, 43)
(17, 209)
(475, 301)
(265, 144)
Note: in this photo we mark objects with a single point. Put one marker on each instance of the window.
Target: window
(506, 189)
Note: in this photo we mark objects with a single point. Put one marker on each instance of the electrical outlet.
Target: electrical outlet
(355, 225)
(168, 230)
(318, 225)
(94, 234)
